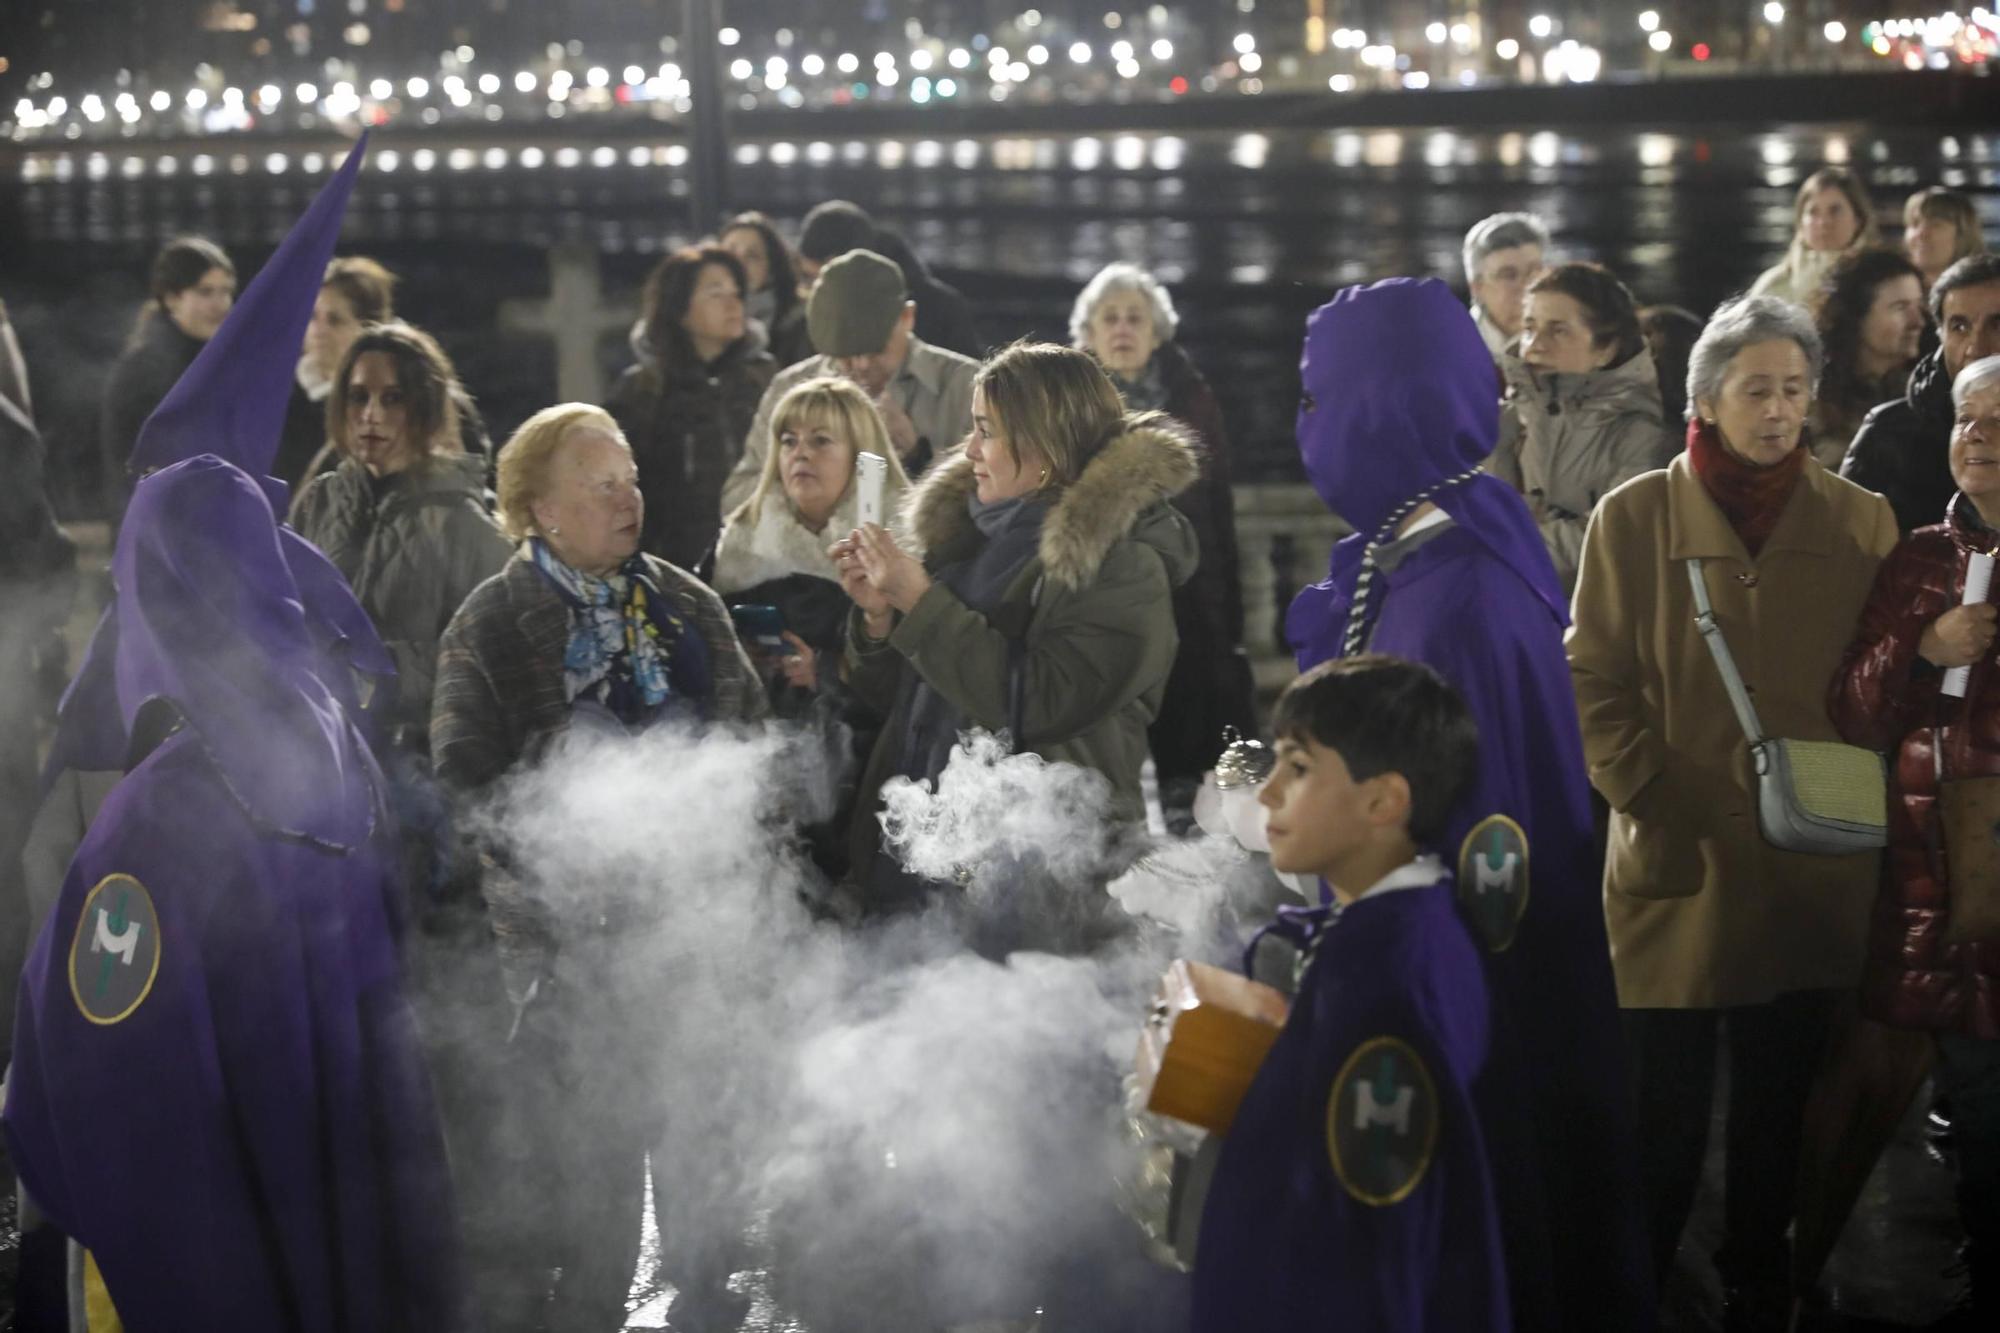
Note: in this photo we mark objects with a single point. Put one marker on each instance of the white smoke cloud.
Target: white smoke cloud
(925, 1116)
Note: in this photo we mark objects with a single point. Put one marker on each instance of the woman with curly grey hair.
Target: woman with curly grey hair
(1126, 320)
(1709, 923)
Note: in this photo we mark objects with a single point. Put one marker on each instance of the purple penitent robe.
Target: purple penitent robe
(1355, 1191)
(1400, 405)
(217, 1087)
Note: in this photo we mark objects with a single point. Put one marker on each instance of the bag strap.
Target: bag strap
(1732, 679)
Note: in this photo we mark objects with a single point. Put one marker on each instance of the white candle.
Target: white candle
(1978, 578)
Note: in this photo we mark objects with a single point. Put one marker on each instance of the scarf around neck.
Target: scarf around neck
(1751, 497)
(1146, 393)
(628, 648)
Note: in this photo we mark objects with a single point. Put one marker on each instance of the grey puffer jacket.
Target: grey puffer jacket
(1568, 440)
(413, 546)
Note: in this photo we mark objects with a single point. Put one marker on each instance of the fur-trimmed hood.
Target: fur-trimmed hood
(1124, 492)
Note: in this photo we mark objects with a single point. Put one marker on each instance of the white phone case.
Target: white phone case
(870, 472)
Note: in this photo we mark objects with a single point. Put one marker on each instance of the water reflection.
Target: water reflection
(1252, 229)
(1250, 151)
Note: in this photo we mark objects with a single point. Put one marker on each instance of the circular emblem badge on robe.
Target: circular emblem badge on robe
(116, 953)
(1493, 880)
(1382, 1122)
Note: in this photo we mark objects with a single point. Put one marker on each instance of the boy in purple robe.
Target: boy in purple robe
(1355, 1189)
(1446, 568)
(217, 1088)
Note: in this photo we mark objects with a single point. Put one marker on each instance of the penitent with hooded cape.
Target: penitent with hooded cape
(1355, 1190)
(1400, 409)
(217, 1087)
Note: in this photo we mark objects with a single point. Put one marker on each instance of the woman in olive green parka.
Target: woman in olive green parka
(1042, 598)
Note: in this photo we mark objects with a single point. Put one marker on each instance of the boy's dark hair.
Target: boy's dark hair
(1385, 715)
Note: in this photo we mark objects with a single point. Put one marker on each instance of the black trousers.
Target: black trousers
(1774, 1051)
(1968, 1072)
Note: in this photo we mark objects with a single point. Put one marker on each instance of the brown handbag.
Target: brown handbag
(1969, 809)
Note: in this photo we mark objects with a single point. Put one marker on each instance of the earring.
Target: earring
(554, 531)
(1044, 479)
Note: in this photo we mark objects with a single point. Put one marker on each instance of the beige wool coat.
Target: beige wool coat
(1702, 912)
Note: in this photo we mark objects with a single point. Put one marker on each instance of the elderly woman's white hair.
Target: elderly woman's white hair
(1742, 322)
(1122, 277)
(1982, 376)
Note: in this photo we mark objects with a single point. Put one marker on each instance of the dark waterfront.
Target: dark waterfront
(1250, 229)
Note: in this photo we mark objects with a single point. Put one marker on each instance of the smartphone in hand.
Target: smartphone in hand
(871, 472)
(760, 627)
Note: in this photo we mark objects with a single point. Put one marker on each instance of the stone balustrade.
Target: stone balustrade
(1285, 537)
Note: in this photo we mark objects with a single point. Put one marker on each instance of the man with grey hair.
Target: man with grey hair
(1903, 449)
(863, 321)
(1503, 254)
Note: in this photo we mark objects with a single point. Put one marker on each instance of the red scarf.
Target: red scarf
(1751, 497)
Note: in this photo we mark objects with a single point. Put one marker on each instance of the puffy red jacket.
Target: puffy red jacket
(1887, 698)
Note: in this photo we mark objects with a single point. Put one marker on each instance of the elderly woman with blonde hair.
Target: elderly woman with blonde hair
(774, 547)
(580, 618)
(581, 632)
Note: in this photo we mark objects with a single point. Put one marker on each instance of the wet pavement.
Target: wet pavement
(1891, 1271)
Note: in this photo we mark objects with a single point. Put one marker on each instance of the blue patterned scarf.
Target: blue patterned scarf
(625, 641)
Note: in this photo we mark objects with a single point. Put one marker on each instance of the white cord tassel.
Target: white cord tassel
(1364, 583)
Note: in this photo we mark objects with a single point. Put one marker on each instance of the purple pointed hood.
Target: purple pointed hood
(231, 401)
(209, 621)
(353, 663)
(1402, 396)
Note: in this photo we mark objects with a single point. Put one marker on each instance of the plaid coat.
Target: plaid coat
(499, 698)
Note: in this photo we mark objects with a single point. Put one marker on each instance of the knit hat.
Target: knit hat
(855, 304)
(833, 228)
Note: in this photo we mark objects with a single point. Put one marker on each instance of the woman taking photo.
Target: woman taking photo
(771, 277)
(774, 547)
(1871, 319)
(1934, 946)
(1125, 319)
(1710, 924)
(1582, 410)
(688, 404)
(1042, 602)
(404, 514)
(193, 284)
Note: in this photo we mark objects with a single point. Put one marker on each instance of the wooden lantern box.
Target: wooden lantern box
(1207, 1034)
